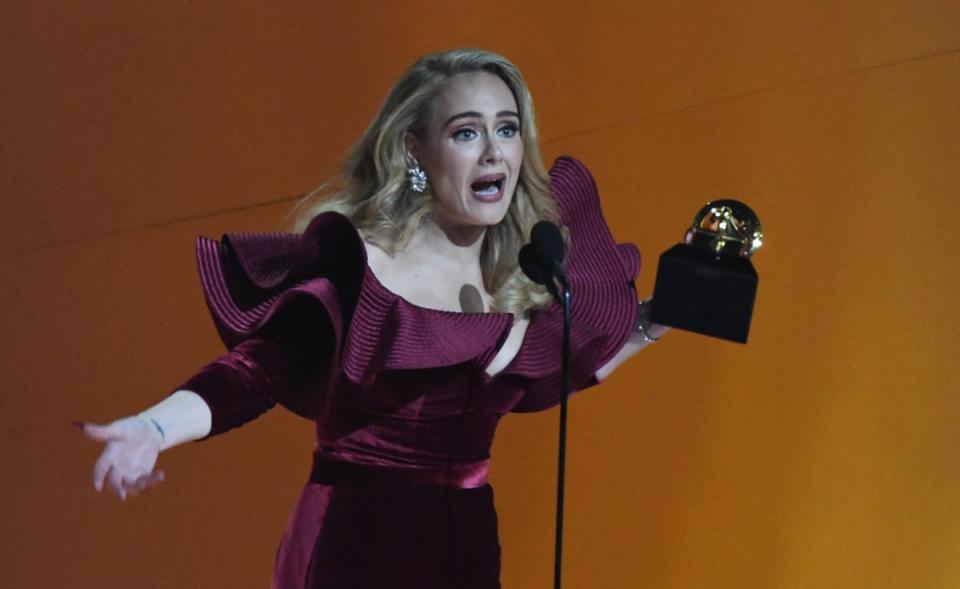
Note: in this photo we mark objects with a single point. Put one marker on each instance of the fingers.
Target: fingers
(102, 468)
(140, 484)
(101, 433)
(115, 480)
(114, 466)
(148, 480)
(124, 486)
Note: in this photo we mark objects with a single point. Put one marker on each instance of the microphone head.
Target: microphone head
(547, 243)
(531, 266)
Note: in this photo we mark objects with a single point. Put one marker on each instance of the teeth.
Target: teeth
(488, 189)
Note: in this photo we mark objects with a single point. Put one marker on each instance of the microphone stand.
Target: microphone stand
(541, 261)
(562, 450)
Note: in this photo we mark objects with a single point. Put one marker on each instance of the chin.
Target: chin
(489, 218)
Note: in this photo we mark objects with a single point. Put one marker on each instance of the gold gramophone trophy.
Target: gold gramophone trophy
(707, 284)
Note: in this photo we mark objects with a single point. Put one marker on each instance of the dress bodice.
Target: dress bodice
(394, 383)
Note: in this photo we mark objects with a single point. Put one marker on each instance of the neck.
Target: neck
(457, 245)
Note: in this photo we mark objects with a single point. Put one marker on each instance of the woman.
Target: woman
(399, 321)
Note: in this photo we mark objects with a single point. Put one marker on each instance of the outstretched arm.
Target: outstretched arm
(230, 391)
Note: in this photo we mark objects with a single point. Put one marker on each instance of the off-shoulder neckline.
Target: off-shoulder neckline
(507, 320)
(384, 290)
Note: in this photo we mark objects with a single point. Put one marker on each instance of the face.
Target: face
(471, 151)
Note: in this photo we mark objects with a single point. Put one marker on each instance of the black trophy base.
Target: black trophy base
(696, 291)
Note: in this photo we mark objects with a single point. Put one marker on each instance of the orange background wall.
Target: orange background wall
(822, 454)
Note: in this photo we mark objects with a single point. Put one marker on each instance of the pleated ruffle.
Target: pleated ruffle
(249, 278)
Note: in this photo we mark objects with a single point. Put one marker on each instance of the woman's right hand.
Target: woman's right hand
(127, 461)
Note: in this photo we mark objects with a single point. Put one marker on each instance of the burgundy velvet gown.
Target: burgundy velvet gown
(405, 412)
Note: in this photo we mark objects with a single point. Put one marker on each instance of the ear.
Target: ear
(410, 145)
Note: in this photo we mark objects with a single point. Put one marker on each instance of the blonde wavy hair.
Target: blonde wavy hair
(375, 195)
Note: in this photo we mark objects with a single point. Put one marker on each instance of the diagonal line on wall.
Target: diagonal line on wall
(629, 121)
(156, 224)
(731, 97)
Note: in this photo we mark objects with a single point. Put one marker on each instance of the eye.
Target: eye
(509, 130)
(464, 134)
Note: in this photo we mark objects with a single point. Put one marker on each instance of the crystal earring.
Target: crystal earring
(417, 178)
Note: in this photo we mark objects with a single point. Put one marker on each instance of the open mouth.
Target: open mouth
(488, 186)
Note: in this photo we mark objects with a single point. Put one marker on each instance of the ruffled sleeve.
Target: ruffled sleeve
(280, 303)
(604, 301)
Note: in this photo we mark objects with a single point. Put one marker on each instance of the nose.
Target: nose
(493, 152)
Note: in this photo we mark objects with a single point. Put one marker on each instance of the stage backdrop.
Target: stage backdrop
(825, 453)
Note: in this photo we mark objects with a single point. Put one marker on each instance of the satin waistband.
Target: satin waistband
(337, 472)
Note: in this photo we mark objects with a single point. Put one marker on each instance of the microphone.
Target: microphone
(547, 242)
(548, 246)
(541, 259)
(531, 265)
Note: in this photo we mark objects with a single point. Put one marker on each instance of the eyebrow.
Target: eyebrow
(472, 114)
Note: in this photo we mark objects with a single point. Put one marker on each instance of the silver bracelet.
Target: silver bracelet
(643, 320)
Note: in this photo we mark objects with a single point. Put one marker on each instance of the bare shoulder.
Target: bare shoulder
(378, 260)
(387, 269)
